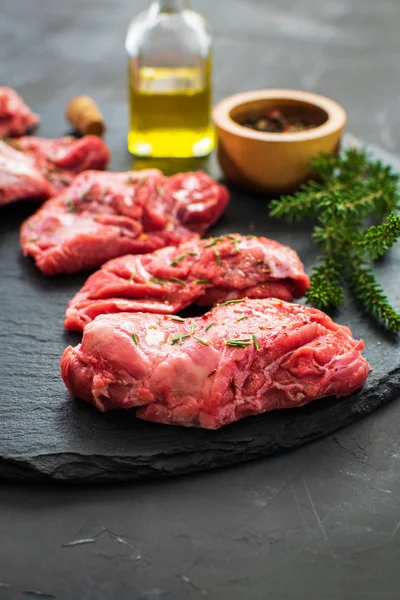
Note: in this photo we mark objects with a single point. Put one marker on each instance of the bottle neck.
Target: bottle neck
(168, 6)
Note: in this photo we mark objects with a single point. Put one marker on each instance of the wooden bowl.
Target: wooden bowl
(275, 163)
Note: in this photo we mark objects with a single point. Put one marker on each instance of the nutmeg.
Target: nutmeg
(84, 114)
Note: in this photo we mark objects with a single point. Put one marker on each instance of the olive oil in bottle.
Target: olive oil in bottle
(169, 80)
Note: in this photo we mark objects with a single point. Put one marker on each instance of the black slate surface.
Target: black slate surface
(46, 434)
(320, 522)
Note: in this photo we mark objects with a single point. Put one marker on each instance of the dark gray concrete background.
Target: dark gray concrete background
(319, 522)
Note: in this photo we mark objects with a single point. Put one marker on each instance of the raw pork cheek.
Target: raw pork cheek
(302, 355)
(168, 280)
(16, 118)
(38, 168)
(104, 215)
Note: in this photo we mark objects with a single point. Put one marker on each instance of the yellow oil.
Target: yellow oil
(170, 112)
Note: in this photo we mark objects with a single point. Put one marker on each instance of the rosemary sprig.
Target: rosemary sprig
(239, 342)
(177, 319)
(214, 241)
(202, 281)
(140, 183)
(177, 280)
(242, 318)
(192, 327)
(350, 188)
(231, 302)
(208, 326)
(71, 206)
(204, 342)
(217, 256)
(135, 338)
(176, 339)
(255, 342)
(158, 281)
(178, 259)
(179, 338)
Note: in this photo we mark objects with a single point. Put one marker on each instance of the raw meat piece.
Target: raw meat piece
(104, 215)
(203, 271)
(66, 157)
(37, 168)
(240, 359)
(15, 117)
(19, 178)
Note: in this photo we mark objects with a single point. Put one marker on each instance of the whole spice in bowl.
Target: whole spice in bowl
(267, 139)
(275, 121)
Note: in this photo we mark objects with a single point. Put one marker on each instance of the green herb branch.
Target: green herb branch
(378, 239)
(349, 189)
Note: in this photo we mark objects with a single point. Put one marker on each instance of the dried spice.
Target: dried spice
(274, 121)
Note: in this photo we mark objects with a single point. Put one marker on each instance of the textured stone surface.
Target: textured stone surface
(320, 521)
(45, 434)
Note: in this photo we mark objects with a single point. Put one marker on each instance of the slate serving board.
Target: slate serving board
(45, 435)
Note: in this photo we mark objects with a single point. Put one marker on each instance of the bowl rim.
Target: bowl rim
(336, 115)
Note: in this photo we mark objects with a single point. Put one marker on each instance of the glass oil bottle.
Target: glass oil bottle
(169, 81)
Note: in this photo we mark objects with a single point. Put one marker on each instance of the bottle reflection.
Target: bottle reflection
(170, 166)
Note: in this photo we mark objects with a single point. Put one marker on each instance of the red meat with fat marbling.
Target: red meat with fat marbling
(186, 372)
(104, 215)
(203, 271)
(16, 118)
(38, 168)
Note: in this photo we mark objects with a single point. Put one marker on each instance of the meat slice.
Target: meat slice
(242, 358)
(19, 177)
(202, 271)
(37, 168)
(16, 118)
(104, 215)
